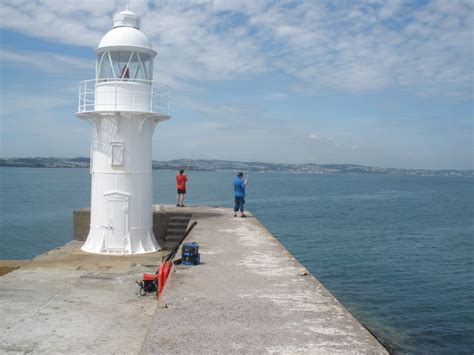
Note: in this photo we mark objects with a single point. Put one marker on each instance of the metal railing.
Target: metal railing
(123, 95)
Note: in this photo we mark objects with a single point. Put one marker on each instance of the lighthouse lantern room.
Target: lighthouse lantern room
(123, 105)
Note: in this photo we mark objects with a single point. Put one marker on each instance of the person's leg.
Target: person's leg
(182, 198)
(242, 202)
(236, 206)
(177, 199)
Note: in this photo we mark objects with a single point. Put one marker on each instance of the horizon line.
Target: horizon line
(253, 162)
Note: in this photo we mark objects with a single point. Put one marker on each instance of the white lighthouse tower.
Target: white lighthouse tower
(123, 106)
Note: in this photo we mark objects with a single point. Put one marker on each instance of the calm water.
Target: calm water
(397, 251)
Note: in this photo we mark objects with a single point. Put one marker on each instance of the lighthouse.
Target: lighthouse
(123, 106)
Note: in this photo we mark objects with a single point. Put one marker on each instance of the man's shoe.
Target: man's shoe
(243, 215)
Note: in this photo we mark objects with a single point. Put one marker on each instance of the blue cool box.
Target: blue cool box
(190, 254)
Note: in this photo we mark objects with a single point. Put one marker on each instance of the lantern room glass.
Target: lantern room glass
(124, 66)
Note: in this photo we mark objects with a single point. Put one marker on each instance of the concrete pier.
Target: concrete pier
(249, 295)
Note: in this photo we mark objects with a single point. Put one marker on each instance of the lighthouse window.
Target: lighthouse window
(145, 65)
(104, 67)
(124, 66)
(117, 153)
(121, 64)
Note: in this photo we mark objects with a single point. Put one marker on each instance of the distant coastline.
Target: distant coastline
(226, 165)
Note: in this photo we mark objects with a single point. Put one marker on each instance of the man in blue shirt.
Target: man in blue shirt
(239, 193)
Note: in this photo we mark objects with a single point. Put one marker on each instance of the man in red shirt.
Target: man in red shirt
(181, 179)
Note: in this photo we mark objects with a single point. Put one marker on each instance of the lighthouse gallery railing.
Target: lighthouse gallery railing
(141, 96)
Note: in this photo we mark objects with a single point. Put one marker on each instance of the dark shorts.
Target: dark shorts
(181, 191)
(239, 204)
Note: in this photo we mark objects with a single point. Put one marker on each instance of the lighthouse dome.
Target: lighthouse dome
(126, 34)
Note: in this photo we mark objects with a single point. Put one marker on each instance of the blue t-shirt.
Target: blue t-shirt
(239, 187)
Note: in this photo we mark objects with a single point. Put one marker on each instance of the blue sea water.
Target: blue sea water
(398, 252)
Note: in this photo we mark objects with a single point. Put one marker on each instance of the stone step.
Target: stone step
(176, 228)
(173, 239)
(177, 225)
(178, 232)
(179, 219)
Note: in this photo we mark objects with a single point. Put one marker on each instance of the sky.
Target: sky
(379, 83)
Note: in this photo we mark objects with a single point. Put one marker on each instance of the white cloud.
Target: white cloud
(277, 96)
(354, 47)
(47, 62)
(221, 111)
(69, 22)
(21, 102)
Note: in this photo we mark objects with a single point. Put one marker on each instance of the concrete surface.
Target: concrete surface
(7, 266)
(67, 301)
(248, 296)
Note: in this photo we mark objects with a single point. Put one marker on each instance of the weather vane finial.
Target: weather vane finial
(126, 4)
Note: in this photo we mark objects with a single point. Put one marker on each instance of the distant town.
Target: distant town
(225, 165)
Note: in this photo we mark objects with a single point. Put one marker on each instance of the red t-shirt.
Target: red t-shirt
(181, 182)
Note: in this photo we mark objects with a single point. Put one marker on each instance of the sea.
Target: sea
(397, 251)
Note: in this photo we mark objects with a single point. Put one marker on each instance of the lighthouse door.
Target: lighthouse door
(117, 234)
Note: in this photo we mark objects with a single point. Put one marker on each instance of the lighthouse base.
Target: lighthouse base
(102, 241)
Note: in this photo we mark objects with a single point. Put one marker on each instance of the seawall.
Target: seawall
(249, 295)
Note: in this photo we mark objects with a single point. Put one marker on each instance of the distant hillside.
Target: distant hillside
(213, 165)
(39, 162)
(225, 165)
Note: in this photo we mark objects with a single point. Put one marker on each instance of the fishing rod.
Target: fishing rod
(191, 160)
(189, 164)
(176, 248)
